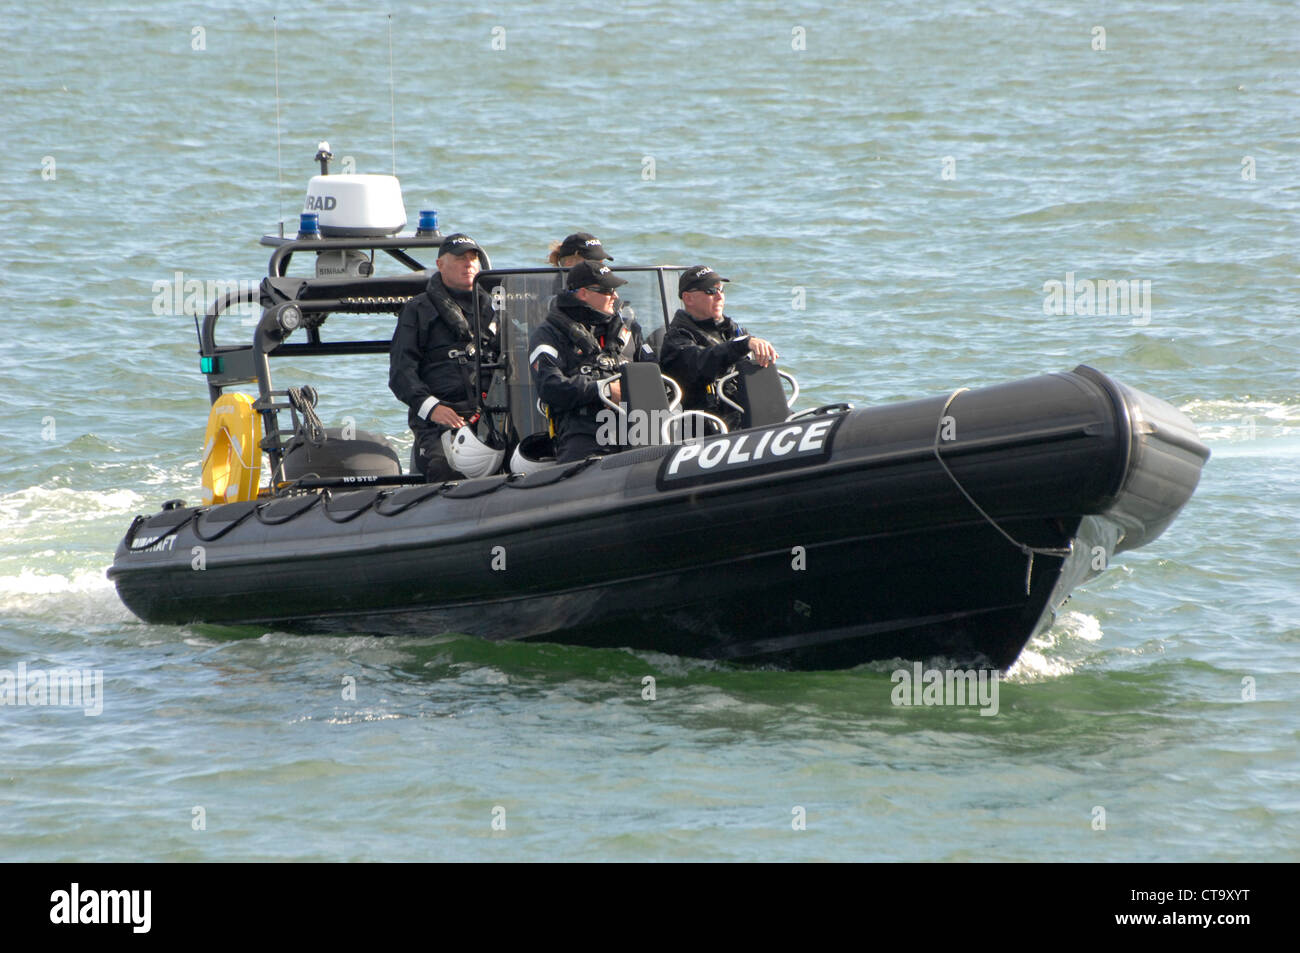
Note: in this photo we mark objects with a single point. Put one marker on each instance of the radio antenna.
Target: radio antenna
(280, 169)
(392, 98)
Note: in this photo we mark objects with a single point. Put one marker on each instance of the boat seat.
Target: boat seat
(656, 340)
(361, 454)
(761, 395)
(643, 393)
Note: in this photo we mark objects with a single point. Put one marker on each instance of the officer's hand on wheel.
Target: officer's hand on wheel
(763, 351)
(442, 414)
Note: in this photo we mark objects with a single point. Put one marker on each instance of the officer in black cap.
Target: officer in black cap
(703, 344)
(432, 358)
(580, 246)
(583, 339)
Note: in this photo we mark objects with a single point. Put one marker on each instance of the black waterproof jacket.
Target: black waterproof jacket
(433, 332)
(696, 353)
(576, 346)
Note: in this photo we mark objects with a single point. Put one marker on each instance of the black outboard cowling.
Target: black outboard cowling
(360, 454)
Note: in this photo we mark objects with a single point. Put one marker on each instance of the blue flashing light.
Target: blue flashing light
(428, 220)
(309, 225)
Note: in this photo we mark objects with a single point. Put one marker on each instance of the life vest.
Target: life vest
(597, 357)
(451, 313)
(466, 349)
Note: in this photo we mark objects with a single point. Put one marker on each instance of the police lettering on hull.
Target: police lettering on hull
(792, 444)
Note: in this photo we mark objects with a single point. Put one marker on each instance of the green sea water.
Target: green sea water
(913, 175)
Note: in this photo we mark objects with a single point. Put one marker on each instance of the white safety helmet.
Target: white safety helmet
(471, 456)
(532, 453)
(520, 463)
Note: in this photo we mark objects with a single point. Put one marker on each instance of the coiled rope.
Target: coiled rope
(303, 400)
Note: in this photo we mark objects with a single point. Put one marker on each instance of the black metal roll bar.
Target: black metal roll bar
(248, 364)
(285, 247)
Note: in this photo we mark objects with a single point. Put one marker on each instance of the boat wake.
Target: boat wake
(1236, 421)
(69, 601)
(1054, 653)
(38, 506)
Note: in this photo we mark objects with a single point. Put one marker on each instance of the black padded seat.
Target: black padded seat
(761, 394)
(643, 392)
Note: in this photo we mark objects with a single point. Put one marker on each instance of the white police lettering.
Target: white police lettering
(817, 433)
(688, 452)
(779, 444)
(591, 241)
(742, 454)
(709, 458)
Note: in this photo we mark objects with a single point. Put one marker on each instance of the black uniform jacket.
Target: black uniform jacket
(696, 353)
(433, 329)
(576, 346)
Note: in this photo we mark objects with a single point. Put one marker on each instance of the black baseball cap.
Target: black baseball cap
(458, 244)
(585, 244)
(698, 278)
(587, 273)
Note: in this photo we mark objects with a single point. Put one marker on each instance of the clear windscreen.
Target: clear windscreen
(521, 300)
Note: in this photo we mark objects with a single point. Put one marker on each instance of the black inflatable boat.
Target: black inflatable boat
(954, 526)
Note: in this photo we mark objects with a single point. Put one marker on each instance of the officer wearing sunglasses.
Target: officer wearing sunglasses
(703, 344)
(583, 340)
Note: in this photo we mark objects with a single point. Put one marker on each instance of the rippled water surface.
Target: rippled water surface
(920, 171)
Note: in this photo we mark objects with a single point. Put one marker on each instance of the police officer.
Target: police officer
(703, 344)
(575, 248)
(583, 339)
(432, 357)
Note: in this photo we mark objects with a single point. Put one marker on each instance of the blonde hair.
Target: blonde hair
(554, 257)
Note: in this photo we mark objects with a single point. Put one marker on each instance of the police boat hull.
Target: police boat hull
(953, 526)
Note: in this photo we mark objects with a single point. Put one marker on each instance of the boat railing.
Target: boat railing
(298, 306)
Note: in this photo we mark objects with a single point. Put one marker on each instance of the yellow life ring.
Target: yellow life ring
(232, 452)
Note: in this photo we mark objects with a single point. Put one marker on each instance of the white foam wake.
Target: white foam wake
(86, 597)
(60, 505)
(1233, 421)
(1055, 652)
